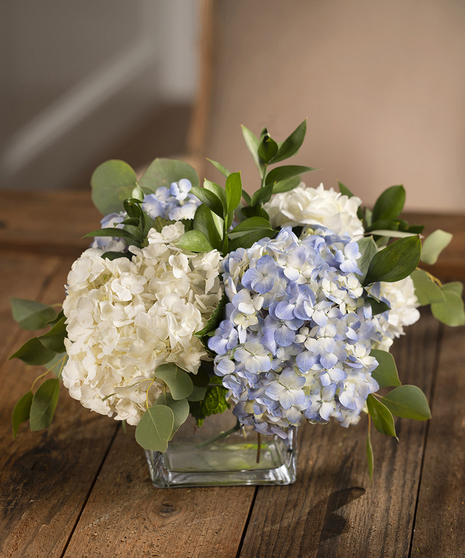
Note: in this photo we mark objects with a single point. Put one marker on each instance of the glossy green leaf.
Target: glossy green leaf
(382, 417)
(390, 203)
(386, 373)
(395, 262)
(112, 183)
(426, 290)
(391, 233)
(377, 306)
(155, 428)
(34, 353)
(433, 245)
(214, 402)
(195, 241)
(279, 174)
(286, 185)
(162, 172)
(368, 249)
(252, 143)
(115, 255)
(218, 191)
(44, 404)
(210, 199)
(451, 311)
(113, 232)
(407, 402)
(201, 381)
(224, 171)
(54, 338)
(344, 190)
(252, 224)
(247, 198)
(233, 191)
(21, 412)
(291, 145)
(216, 317)
(263, 195)
(176, 379)
(205, 223)
(248, 239)
(370, 459)
(180, 408)
(267, 149)
(31, 315)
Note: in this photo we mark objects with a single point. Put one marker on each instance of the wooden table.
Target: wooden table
(82, 489)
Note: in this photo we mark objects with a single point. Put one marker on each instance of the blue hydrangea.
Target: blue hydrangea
(296, 340)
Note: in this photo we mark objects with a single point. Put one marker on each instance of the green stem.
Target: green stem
(219, 436)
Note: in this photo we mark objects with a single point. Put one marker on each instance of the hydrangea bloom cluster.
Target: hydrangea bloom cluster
(316, 207)
(298, 333)
(125, 318)
(174, 203)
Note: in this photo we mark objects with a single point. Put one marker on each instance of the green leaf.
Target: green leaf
(215, 318)
(433, 245)
(112, 183)
(159, 223)
(210, 199)
(451, 311)
(219, 191)
(162, 172)
(155, 427)
(344, 190)
(386, 373)
(205, 223)
(138, 193)
(44, 404)
(407, 402)
(201, 381)
(389, 204)
(252, 143)
(426, 290)
(54, 339)
(57, 363)
(286, 185)
(395, 262)
(262, 196)
(176, 379)
(368, 249)
(113, 232)
(195, 241)
(283, 173)
(34, 353)
(233, 191)
(21, 412)
(248, 239)
(370, 459)
(252, 224)
(31, 315)
(455, 286)
(377, 306)
(180, 408)
(214, 403)
(391, 233)
(382, 417)
(115, 255)
(247, 197)
(224, 171)
(291, 145)
(267, 149)
(256, 211)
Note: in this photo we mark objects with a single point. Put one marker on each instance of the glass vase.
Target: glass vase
(220, 453)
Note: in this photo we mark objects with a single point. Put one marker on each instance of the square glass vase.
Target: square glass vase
(220, 454)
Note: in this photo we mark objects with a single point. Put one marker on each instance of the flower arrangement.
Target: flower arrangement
(283, 304)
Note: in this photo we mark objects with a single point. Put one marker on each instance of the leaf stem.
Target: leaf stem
(259, 447)
(220, 436)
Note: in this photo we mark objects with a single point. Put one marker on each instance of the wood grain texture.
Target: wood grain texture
(45, 477)
(332, 510)
(127, 517)
(440, 522)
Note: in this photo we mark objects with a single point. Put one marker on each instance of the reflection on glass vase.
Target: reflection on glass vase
(220, 453)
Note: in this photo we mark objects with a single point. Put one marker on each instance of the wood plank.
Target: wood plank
(440, 521)
(45, 477)
(126, 516)
(333, 510)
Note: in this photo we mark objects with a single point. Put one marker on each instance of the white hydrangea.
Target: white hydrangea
(310, 206)
(403, 312)
(125, 318)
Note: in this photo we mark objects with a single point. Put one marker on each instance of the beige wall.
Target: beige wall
(381, 82)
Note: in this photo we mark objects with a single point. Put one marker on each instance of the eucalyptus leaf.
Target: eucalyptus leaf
(390, 203)
(155, 428)
(283, 173)
(163, 172)
(455, 286)
(57, 364)
(112, 183)
(210, 199)
(33, 352)
(54, 338)
(395, 262)
(252, 143)
(44, 404)
(224, 171)
(386, 373)
(451, 311)
(426, 290)
(205, 223)
(382, 417)
(21, 412)
(31, 315)
(291, 145)
(195, 241)
(176, 379)
(180, 408)
(233, 191)
(433, 245)
(407, 402)
(286, 185)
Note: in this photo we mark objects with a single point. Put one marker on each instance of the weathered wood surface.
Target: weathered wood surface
(82, 488)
